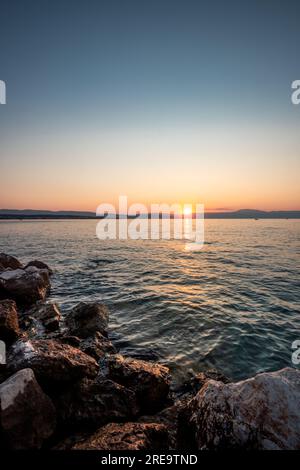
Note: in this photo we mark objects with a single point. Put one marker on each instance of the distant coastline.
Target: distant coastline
(9, 214)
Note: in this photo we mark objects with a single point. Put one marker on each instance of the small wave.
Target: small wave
(104, 261)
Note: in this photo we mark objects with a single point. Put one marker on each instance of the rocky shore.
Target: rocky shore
(65, 386)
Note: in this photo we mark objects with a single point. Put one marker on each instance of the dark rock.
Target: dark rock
(24, 286)
(259, 413)
(86, 319)
(150, 381)
(27, 414)
(9, 325)
(127, 436)
(54, 364)
(40, 265)
(71, 340)
(9, 262)
(28, 324)
(47, 315)
(169, 418)
(97, 346)
(192, 386)
(68, 442)
(92, 403)
(185, 436)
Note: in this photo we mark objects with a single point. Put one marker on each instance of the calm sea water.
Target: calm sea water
(233, 306)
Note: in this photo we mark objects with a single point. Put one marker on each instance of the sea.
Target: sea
(233, 306)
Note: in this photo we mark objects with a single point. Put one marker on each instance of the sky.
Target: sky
(163, 101)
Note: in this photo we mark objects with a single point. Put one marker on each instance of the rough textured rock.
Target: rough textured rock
(86, 319)
(40, 265)
(169, 418)
(97, 346)
(191, 386)
(54, 364)
(259, 413)
(150, 381)
(46, 316)
(9, 326)
(24, 286)
(92, 403)
(27, 414)
(9, 262)
(127, 436)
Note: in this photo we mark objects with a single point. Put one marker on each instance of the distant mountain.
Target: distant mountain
(31, 213)
(240, 214)
(253, 214)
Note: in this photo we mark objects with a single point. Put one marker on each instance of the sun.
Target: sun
(187, 210)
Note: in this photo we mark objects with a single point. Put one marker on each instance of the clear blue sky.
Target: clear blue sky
(185, 100)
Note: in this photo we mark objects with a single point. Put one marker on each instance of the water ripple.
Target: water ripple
(233, 306)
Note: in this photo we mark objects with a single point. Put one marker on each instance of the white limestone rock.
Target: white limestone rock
(262, 412)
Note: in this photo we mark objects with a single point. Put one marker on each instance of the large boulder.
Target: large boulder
(9, 262)
(9, 325)
(127, 436)
(259, 413)
(27, 415)
(40, 265)
(55, 364)
(86, 319)
(25, 286)
(150, 381)
(92, 403)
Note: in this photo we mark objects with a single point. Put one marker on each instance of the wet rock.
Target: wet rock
(192, 386)
(47, 315)
(150, 381)
(9, 262)
(27, 414)
(259, 413)
(86, 319)
(9, 325)
(92, 403)
(127, 436)
(40, 265)
(97, 346)
(24, 286)
(54, 364)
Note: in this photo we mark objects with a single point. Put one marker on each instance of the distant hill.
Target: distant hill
(253, 214)
(240, 214)
(31, 213)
